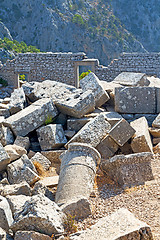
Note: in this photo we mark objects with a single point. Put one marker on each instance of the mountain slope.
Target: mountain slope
(69, 25)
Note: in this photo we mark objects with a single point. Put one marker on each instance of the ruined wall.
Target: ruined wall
(42, 66)
(60, 66)
(148, 63)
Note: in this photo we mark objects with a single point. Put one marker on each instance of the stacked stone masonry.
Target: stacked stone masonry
(61, 66)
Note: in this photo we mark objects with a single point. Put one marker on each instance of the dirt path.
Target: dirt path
(143, 201)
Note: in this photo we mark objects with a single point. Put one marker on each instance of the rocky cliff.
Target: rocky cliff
(73, 25)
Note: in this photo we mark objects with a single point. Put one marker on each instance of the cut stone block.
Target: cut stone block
(16, 202)
(28, 235)
(77, 105)
(39, 214)
(128, 170)
(6, 218)
(112, 117)
(5, 113)
(135, 100)
(80, 208)
(93, 132)
(75, 124)
(6, 135)
(22, 142)
(69, 134)
(44, 162)
(68, 99)
(132, 79)
(2, 234)
(141, 141)
(156, 141)
(77, 173)
(40, 188)
(53, 155)
(50, 181)
(156, 122)
(31, 117)
(91, 82)
(22, 170)
(107, 147)
(51, 136)
(4, 158)
(14, 151)
(121, 132)
(156, 149)
(17, 101)
(120, 225)
(15, 189)
(155, 132)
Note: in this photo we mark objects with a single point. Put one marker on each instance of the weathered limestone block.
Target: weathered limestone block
(78, 207)
(50, 181)
(22, 142)
(135, 100)
(75, 124)
(92, 132)
(141, 140)
(49, 89)
(6, 218)
(69, 134)
(39, 214)
(91, 82)
(130, 169)
(15, 189)
(121, 132)
(28, 235)
(132, 79)
(155, 132)
(76, 180)
(155, 141)
(5, 113)
(156, 122)
(51, 136)
(17, 101)
(2, 234)
(44, 162)
(77, 105)
(107, 147)
(53, 155)
(4, 158)
(120, 225)
(31, 117)
(14, 151)
(68, 99)
(40, 188)
(16, 202)
(22, 170)
(156, 149)
(112, 117)
(6, 135)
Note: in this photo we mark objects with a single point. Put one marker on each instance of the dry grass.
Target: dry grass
(40, 169)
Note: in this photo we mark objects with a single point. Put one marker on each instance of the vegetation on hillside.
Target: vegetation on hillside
(100, 21)
(16, 46)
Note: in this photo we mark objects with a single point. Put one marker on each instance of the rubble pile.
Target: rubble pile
(54, 137)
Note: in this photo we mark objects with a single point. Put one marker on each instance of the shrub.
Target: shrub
(77, 19)
(3, 82)
(48, 120)
(84, 74)
(70, 224)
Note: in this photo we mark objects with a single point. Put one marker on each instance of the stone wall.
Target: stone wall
(42, 66)
(60, 66)
(148, 63)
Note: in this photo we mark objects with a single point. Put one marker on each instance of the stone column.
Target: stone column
(77, 173)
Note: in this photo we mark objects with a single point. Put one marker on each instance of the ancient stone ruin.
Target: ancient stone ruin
(55, 138)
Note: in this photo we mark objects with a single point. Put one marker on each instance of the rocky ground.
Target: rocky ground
(143, 200)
